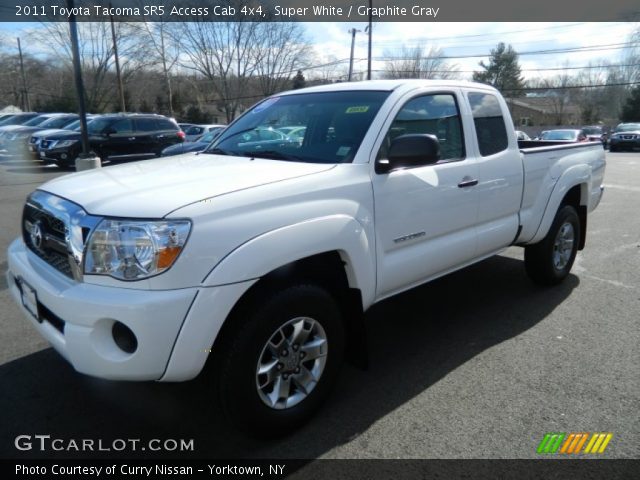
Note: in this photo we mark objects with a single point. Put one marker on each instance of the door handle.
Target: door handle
(467, 183)
(131, 138)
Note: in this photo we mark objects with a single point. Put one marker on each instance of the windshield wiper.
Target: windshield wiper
(271, 155)
(217, 151)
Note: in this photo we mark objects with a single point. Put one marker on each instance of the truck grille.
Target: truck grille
(56, 230)
(45, 235)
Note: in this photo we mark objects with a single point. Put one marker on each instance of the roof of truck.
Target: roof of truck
(387, 85)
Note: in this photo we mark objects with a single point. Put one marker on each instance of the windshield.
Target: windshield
(629, 127)
(559, 135)
(57, 122)
(211, 135)
(34, 122)
(7, 119)
(325, 127)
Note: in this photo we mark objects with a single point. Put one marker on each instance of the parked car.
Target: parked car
(34, 141)
(114, 137)
(200, 144)
(264, 260)
(18, 139)
(17, 118)
(194, 132)
(564, 135)
(626, 136)
(596, 133)
(520, 135)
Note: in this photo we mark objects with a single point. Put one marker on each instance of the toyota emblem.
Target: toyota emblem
(35, 234)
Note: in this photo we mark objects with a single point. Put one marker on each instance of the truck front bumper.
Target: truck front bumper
(86, 323)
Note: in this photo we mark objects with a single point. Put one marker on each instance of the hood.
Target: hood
(630, 132)
(64, 135)
(50, 131)
(25, 129)
(154, 188)
(8, 128)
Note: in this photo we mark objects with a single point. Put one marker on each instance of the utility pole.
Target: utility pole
(73, 32)
(123, 107)
(26, 105)
(370, 30)
(353, 41)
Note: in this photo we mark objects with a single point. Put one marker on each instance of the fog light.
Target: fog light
(124, 337)
(63, 156)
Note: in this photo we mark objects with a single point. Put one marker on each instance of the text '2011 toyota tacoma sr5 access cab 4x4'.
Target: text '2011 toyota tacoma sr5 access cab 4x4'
(262, 252)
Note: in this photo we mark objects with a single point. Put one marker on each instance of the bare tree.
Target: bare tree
(96, 55)
(416, 62)
(164, 51)
(559, 94)
(282, 50)
(225, 54)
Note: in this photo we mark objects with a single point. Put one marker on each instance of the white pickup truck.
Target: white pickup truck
(263, 252)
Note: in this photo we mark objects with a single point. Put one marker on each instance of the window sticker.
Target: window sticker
(266, 104)
(360, 109)
(343, 151)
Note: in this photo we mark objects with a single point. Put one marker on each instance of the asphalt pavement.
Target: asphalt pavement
(478, 364)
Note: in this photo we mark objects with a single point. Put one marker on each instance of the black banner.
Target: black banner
(319, 10)
(324, 469)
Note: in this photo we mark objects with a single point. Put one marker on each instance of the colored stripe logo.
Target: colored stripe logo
(573, 443)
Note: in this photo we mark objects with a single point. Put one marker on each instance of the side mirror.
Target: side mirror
(413, 150)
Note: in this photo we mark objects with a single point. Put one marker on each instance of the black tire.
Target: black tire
(243, 346)
(613, 149)
(542, 262)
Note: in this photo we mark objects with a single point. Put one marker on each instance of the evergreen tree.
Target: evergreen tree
(631, 109)
(299, 81)
(503, 71)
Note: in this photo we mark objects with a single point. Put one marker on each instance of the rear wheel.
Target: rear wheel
(280, 358)
(549, 261)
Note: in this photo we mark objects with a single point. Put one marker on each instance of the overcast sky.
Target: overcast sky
(332, 42)
(464, 39)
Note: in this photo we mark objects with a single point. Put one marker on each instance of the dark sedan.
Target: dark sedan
(196, 146)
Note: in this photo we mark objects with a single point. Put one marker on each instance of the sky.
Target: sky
(332, 41)
(464, 39)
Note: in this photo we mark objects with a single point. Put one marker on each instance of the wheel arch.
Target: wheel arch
(329, 270)
(572, 188)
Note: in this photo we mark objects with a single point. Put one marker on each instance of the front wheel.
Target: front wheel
(549, 261)
(277, 366)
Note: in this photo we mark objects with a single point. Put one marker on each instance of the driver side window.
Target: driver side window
(434, 114)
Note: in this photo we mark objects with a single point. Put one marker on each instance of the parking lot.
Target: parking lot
(479, 364)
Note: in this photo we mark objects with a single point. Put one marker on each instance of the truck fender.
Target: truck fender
(271, 250)
(575, 175)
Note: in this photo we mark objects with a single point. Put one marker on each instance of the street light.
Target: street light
(353, 41)
(370, 30)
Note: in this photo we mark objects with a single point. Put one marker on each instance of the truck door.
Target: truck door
(500, 172)
(425, 216)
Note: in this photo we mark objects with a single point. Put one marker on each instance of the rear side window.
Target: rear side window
(166, 124)
(490, 127)
(146, 124)
(122, 126)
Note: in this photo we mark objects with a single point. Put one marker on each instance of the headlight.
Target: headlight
(135, 249)
(66, 143)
